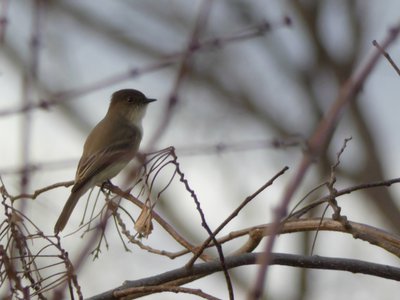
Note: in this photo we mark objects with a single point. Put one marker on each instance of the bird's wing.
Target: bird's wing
(121, 150)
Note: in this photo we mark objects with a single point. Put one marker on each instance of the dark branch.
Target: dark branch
(312, 262)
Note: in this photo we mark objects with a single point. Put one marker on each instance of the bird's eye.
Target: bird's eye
(130, 99)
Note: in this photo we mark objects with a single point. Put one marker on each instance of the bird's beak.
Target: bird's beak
(150, 100)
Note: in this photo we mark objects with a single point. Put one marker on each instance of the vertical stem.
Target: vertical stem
(30, 77)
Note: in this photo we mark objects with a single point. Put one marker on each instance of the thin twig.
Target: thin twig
(205, 225)
(342, 192)
(387, 56)
(36, 193)
(234, 214)
(167, 227)
(146, 290)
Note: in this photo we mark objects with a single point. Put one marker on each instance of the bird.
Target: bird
(109, 147)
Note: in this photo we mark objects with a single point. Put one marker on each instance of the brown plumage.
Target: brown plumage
(109, 147)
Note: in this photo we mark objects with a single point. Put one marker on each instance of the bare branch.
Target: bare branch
(203, 269)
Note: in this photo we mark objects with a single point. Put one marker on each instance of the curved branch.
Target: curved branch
(375, 236)
(183, 275)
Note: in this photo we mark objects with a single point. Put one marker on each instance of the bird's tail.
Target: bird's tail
(68, 208)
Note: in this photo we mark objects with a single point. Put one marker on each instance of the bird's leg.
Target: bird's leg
(106, 185)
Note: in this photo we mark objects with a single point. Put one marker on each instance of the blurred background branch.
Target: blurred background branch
(257, 94)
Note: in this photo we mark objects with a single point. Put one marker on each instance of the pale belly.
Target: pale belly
(110, 172)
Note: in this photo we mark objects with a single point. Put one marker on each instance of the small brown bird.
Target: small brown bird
(110, 146)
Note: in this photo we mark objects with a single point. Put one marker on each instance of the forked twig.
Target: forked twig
(233, 215)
